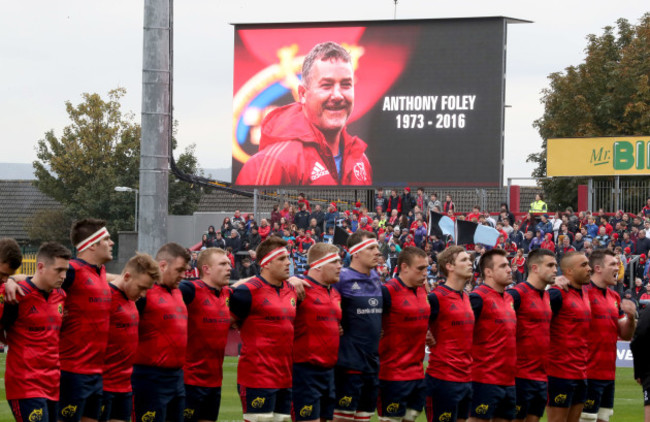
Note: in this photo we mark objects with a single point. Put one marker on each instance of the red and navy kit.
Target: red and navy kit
(122, 343)
(32, 328)
(266, 314)
(603, 332)
(534, 315)
(568, 352)
(317, 336)
(163, 329)
(452, 325)
(84, 333)
(495, 340)
(207, 329)
(405, 324)
(294, 152)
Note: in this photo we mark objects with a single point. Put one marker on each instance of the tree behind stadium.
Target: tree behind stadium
(98, 151)
(606, 95)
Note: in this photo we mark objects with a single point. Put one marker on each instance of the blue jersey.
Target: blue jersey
(361, 302)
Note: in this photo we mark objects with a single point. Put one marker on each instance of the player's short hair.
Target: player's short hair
(319, 250)
(448, 256)
(142, 263)
(82, 229)
(49, 251)
(172, 250)
(598, 256)
(566, 258)
(205, 255)
(270, 244)
(487, 259)
(10, 253)
(537, 256)
(359, 236)
(408, 254)
(323, 51)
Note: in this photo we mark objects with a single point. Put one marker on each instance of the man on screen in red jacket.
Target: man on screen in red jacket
(306, 142)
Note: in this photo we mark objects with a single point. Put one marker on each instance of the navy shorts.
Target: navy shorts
(116, 406)
(355, 391)
(447, 400)
(565, 393)
(313, 392)
(531, 398)
(600, 393)
(35, 409)
(81, 395)
(397, 396)
(201, 403)
(158, 394)
(493, 401)
(265, 400)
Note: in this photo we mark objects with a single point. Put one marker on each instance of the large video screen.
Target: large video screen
(386, 103)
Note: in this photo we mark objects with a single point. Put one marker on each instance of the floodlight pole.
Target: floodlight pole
(156, 124)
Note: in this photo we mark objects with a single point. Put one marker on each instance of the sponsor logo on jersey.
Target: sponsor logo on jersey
(360, 171)
(355, 286)
(306, 411)
(318, 171)
(33, 310)
(373, 301)
(258, 402)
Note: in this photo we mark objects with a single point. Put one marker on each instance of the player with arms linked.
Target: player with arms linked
(265, 309)
(32, 329)
(209, 321)
(449, 374)
(402, 391)
(357, 370)
(317, 336)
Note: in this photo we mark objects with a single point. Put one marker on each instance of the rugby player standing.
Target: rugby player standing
(533, 307)
(402, 390)
(568, 351)
(32, 329)
(317, 337)
(495, 329)
(357, 370)
(265, 309)
(611, 317)
(208, 324)
(449, 374)
(158, 388)
(10, 258)
(138, 276)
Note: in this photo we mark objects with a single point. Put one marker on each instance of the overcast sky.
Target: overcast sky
(53, 51)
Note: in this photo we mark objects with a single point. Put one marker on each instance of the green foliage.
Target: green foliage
(98, 151)
(606, 95)
(51, 225)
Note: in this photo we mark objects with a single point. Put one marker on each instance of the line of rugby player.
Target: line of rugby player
(335, 344)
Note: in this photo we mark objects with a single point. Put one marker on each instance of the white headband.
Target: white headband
(325, 260)
(363, 245)
(271, 255)
(90, 240)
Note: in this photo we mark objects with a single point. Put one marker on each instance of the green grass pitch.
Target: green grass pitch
(628, 406)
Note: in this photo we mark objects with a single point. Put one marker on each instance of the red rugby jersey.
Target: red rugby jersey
(163, 329)
(317, 336)
(122, 343)
(568, 352)
(495, 340)
(266, 314)
(207, 331)
(84, 333)
(33, 327)
(603, 332)
(534, 315)
(405, 323)
(452, 325)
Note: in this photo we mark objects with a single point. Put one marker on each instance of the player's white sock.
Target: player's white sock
(604, 414)
(362, 416)
(258, 417)
(280, 417)
(411, 414)
(346, 415)
(588, 417)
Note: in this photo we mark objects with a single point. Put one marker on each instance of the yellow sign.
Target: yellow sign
(629, 155)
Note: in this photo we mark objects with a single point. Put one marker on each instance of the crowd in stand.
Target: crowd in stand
(401, 220)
